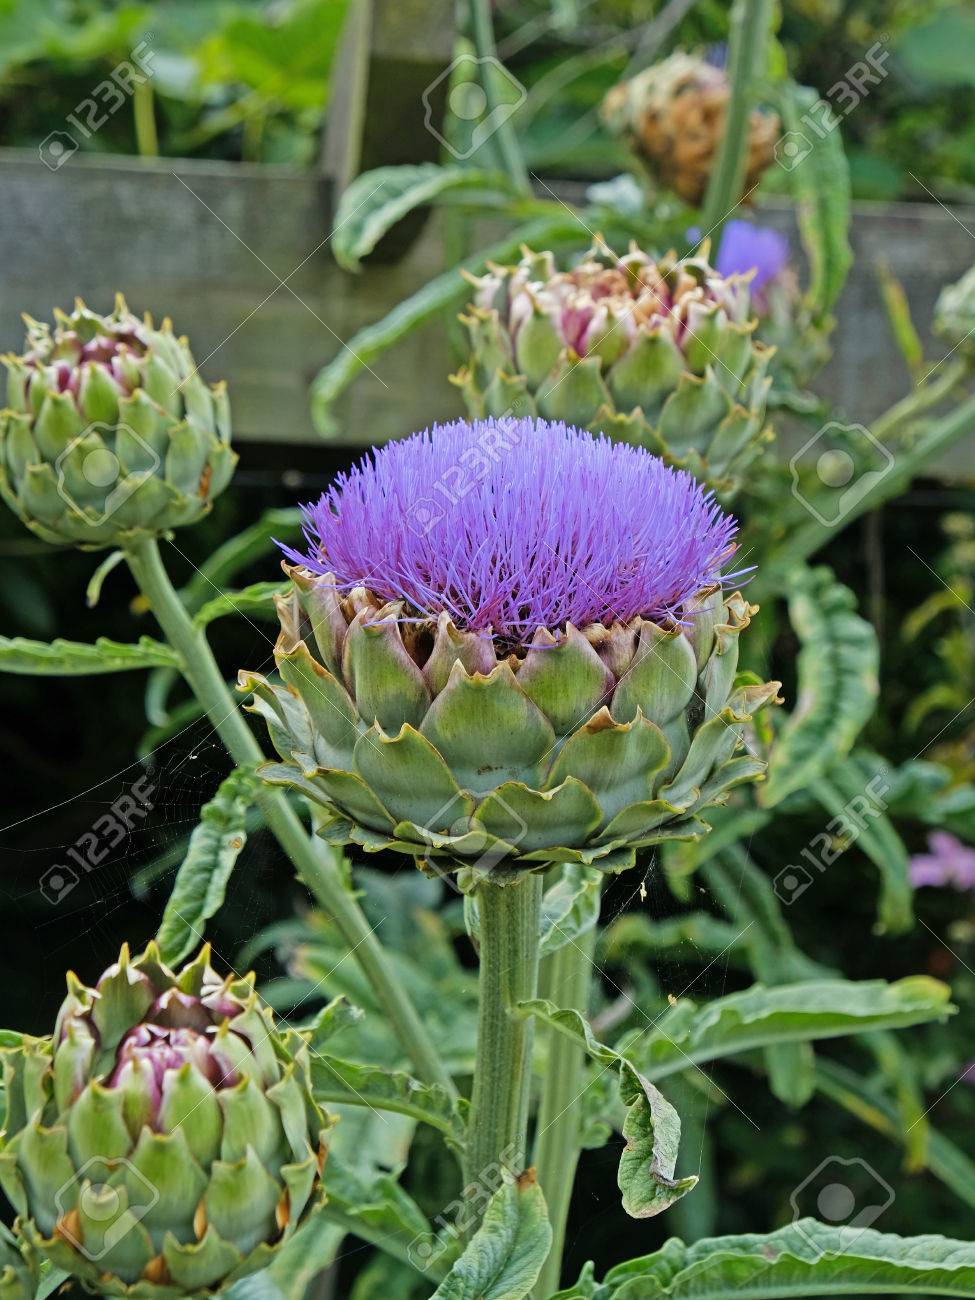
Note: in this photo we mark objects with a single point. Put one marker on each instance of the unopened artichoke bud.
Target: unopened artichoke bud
(659, 353)
(673, 114)
(109, 433)
(165, 1140)
(510, 644)
(954, 313)
(19, 1274)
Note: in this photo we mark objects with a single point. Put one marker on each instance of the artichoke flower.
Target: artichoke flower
(954, 313)
(510, 644)
(18, 1273)
(799, 343)
(672, 115)
(109, 432)
(165, 1140)
(658, 353)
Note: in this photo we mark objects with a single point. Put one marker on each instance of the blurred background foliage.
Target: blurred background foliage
(248, 79)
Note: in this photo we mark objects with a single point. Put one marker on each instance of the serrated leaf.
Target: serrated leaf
(447, 290)
(820, 183)
(570, 908)
(503, 1259)
(374, 202)
(838, 664)
(805, 1258)
(257, 599)
(788, 1013)
(651, 1128)
(201, 881)
(354, 1084)
(62, 658)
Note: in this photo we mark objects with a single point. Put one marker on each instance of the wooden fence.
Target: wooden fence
(238, 255)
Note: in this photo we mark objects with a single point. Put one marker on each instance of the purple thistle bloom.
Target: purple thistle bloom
(517, 524)
(745, 247)
(948, 862)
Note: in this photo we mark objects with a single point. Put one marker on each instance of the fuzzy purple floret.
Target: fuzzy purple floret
(517, 524)
(745, 247)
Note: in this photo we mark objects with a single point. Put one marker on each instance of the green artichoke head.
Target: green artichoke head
(164, 1141)
(466, 753)
(109, 432)
(954, 313)
(658, 353)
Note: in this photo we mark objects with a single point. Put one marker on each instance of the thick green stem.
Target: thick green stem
(747, 47)
(317, 865)
(504, 137)
(565, 979)
(508, 923)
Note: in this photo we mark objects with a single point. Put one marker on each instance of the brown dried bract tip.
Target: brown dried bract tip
(157, 1271)
(527, 1178)
(282, 1212)
(200, 1221)
(68, 1228)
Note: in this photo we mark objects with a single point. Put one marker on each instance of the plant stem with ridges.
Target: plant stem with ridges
(509, 924)
(565, 980)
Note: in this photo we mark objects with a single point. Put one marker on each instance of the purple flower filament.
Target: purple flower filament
(511, 525)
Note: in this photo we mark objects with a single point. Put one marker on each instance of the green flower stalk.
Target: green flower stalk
(661, 354)
(109, 433)
(164, 1141)
(544, 671)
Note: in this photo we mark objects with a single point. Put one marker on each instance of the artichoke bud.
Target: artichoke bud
(631, 347)
(166, 1135)
(672, 116)
(954, 313)
(461, 749)
(125, 438)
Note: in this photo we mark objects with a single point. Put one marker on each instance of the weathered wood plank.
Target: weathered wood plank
(210, 243)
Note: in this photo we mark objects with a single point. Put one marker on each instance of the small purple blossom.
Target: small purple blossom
(517, 524)
(745, 247)
(948, 862)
